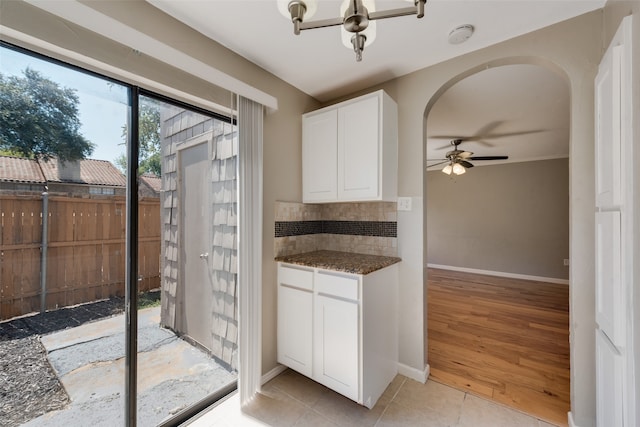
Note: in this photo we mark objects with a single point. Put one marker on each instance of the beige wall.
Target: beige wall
(573, 49)
(509, 218)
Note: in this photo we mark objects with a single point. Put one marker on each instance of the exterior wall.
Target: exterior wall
(75, 189)
(20, 187)
(178, 129)
(60, 189)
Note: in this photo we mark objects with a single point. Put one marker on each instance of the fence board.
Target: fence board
(86, 250)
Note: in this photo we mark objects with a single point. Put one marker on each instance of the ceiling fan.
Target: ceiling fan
(457, 160)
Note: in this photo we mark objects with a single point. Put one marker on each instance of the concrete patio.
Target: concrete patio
(89, 361)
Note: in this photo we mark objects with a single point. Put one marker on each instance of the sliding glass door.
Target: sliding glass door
(120, 282)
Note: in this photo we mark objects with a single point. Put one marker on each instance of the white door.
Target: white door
(616, 400)
(609, 377)
(359, 150)
(336, 345)
(319, 157)
(195, 293)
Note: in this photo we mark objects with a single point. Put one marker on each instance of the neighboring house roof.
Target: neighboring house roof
(88, 171)
(17, 169)
(153, 181)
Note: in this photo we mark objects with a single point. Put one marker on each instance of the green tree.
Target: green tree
(39, 119)
(149, 139)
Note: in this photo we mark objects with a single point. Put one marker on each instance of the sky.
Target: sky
(102, 107)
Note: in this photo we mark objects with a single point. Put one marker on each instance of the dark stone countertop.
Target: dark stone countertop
(347, 262)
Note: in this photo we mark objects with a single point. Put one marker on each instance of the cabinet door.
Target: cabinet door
(336, 345)
(295, 328)
(319, 157)
(359, 150)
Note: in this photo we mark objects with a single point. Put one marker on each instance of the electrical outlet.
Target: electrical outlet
(404, 203)
(566, 262)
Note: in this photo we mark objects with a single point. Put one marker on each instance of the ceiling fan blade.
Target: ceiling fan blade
(437, 164)
(465, 164)
(505, 134)
(485, 143)
(484, 133)
(449, 137)
(488, 158)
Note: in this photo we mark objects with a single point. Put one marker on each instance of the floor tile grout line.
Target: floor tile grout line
(306, 406)
(404, 380)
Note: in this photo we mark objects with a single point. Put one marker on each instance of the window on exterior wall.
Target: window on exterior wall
(64, 270)
(102, 190)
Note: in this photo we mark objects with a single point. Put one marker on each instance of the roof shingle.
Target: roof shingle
(17, 169)
(87, 171)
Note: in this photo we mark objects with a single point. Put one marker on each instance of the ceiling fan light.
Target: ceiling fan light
(458, 169)
(447, 169)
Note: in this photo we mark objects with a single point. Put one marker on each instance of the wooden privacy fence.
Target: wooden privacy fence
(85, 257)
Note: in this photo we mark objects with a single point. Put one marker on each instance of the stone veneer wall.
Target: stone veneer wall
(367, 228)
(179, 127)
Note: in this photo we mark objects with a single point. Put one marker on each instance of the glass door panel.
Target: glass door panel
(187, 337)
(62, 244)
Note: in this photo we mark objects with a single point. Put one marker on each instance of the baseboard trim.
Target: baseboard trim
(570, 418)
(272, 374)
(413, 373)
(499, 274)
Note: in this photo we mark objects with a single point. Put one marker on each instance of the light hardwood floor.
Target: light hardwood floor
(503, 339)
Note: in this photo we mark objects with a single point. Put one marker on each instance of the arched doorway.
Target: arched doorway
(497, 236)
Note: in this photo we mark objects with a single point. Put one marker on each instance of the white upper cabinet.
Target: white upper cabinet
(319, 156)
(350, 151)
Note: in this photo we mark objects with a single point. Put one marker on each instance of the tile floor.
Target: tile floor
(291, 399)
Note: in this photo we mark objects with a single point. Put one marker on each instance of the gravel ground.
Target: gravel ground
(29, 386)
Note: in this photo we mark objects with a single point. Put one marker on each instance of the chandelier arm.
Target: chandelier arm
(392, 13)
(332, 22)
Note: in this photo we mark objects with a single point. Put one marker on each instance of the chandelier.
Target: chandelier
(355, 20)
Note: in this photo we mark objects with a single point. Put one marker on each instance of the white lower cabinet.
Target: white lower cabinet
(336, 353)
(341, 329)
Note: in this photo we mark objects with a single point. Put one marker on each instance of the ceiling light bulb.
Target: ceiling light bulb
(369, 33)
(458, 169)
(310, 5)
(447, 169)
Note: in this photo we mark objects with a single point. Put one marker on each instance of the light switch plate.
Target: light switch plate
(404, 203)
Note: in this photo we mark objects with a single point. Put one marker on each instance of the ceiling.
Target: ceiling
(521, 111)
(525, 99)
(316, 61)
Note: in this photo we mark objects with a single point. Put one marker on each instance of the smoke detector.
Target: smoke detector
(460, 34)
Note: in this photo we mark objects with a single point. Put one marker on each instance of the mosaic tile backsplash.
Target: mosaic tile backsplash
(367, 228)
